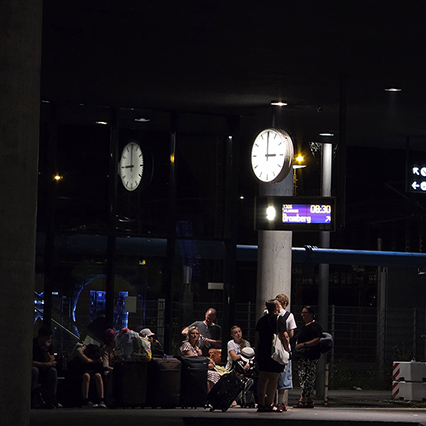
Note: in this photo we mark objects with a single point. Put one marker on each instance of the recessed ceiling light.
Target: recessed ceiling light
(103, 123)
(278, 103)
(393, 89)
(142, 119)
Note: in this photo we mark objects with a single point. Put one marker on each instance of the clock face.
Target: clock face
(131, 166)
(272, 155)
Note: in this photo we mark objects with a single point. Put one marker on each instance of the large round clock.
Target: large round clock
(272, 155)
(131, 166)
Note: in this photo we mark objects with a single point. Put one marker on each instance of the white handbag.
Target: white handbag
(279, 354)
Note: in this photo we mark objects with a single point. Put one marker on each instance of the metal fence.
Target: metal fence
(363, 340)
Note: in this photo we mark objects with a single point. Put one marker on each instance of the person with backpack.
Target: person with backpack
(285, 380)
(271, 324)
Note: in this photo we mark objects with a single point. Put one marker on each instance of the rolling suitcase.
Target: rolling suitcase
(193, 389)
(225, 391)
(163, 385)
(129, 382)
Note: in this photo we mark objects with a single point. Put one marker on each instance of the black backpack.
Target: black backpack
(326, 343)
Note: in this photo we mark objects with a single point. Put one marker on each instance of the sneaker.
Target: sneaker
(102, 405)
(89, 404)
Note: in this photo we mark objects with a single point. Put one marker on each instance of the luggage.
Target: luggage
(163, 386)
(225, 392)
(129, 381)
(193, 389)
(246, 398)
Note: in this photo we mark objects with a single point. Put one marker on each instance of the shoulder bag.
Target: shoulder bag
(278, 352)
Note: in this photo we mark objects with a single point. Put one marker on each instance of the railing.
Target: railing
(361, 340)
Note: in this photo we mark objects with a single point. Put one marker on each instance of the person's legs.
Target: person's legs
(262, 382)
(85, 386)
(37, 400)
(100, 388)
(35, 384)
(285, 382)
(99, 385)
(309, 388)
(50, 384)
(271, 386)
(301, 372)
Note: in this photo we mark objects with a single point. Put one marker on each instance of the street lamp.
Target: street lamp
(298, 163)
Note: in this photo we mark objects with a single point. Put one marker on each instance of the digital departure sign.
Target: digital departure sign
(295, 213)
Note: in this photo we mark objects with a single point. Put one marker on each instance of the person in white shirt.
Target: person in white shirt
(285, 381)
(235, 346)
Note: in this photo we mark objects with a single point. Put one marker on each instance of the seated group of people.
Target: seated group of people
(88, 363)
(91, 363)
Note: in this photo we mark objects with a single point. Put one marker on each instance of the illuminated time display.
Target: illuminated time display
(295, 213)
(324, 208)
(306, 213)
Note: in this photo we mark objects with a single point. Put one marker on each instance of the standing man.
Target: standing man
(44, 377)
(211, 333)
(285, 381)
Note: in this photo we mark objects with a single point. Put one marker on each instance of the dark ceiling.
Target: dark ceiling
(234, 57)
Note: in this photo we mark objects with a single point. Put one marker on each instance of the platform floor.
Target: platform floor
(357, 407)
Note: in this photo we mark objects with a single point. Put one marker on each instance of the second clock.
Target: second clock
(131, 166)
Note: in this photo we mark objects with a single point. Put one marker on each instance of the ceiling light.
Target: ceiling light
(142, 119)
(393, 89)
(278, 103)
(326, 134)
(103, 123)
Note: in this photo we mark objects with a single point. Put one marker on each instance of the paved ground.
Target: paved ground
(357, 407)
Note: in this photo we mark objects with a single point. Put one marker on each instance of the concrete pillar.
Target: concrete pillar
(20, 53)
(274, 252)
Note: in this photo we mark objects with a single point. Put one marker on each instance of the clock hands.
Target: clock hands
(267, 155)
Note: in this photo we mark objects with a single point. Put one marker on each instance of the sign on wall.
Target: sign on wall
(417, 176)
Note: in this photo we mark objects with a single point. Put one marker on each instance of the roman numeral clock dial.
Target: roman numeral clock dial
(130, 167)
(272, 155)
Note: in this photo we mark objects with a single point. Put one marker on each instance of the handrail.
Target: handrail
(60, 314)
(59, 325)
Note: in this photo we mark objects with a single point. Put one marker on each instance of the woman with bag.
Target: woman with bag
(308, 351)
(269, 325)
(191, 347)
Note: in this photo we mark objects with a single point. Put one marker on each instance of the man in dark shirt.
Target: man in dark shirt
(211, 333)
(44, 377)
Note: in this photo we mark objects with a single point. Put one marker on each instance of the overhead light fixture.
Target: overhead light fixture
(102, 123)
(299, 162)
(393, 89)
(278, 103)
(326, 134)
(142, 119)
